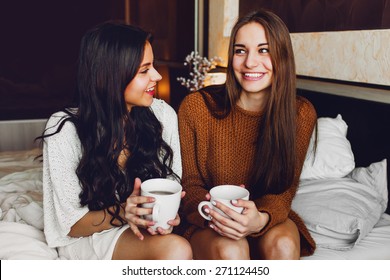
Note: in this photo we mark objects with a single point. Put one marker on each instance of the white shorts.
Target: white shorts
(99, 246)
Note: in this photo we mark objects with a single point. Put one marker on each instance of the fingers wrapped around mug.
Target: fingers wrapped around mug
(223, 194)
(238, 225)
(231, 213)
(134, 214)
(167, 194)
(162, 231)
(226, 224)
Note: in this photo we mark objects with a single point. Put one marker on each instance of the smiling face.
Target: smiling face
(251, 62)
(140, 91)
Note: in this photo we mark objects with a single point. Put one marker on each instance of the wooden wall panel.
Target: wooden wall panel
(326, 15)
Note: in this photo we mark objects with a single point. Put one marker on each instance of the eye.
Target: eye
(144, 71)
(239, 51)
(264, 50)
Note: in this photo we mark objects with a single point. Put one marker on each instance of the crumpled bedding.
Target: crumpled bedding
(21, 213)
(21, 216)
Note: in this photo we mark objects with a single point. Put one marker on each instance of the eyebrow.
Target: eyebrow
(243, 46)
(145, 64)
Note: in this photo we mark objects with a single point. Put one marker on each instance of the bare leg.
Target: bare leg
(282, 242)
(153, 247)
(209, 245)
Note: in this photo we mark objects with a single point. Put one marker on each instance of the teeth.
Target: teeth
(150, 89)
(253, 75)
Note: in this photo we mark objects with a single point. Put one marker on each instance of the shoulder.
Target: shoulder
(193, 103)
(56, 119)
(193, 98)
(160, 105)
(162, 110)
(59, 120)
(305, 108)
(306, 116)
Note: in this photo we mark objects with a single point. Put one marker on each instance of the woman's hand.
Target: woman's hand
(240, 225)
(172, 223)
(133, 213)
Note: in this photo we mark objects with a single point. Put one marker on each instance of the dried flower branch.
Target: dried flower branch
(199, 66)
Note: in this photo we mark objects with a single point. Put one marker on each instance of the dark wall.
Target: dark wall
(38, 52)
(39, 43)
(326, 15)
(172, 24)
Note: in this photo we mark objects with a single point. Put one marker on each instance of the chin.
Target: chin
(149, 103)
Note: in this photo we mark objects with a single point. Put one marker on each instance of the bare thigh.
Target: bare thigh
(280, 242)
(208, 245)
(152, 247)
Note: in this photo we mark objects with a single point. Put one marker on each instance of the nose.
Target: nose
(252, 60)
(155, 76)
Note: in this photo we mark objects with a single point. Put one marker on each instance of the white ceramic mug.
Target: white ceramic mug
(167, 194)
(224, 194)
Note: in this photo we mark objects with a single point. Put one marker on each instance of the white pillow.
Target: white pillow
(334, 157)
(339, 212)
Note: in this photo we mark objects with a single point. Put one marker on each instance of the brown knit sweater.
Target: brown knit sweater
(221, 151)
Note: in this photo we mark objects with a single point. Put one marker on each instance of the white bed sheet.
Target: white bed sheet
(21, 217)
(375, 246)
(21, 213)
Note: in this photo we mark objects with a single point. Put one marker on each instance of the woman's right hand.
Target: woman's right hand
(133, 213)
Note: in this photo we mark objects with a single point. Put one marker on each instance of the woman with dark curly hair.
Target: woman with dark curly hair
(96, 155)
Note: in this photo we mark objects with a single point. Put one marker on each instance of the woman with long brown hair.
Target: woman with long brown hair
(252, 131)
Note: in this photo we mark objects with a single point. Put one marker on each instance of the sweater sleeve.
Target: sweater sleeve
(278, 206)
(61, 187)
(191, 145)
(168, 119)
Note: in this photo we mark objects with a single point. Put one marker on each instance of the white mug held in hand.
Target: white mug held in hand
(167, 194)
(224, 194)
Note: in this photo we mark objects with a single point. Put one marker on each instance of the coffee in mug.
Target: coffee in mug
(167, 194)
(224, 194)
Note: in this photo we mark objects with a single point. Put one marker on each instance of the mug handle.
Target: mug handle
(155, 212)
(200, 206)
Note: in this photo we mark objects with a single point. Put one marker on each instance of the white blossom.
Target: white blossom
(199, 66)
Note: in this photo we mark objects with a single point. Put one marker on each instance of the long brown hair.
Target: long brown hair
(274, 163)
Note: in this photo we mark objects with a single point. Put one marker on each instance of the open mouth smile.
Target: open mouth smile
(253, 76)
(151, 90)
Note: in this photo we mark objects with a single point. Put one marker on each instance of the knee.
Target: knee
(175, 248)
(226, 249)
(281, 246)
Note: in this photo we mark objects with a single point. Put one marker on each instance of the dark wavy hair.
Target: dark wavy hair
(109, 59)
(274, 164)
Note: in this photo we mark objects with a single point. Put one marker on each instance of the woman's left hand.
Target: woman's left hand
(172, 223)
(241, 224)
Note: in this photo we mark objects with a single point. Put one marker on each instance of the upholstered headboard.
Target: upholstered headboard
(20, 134)
(368, 123)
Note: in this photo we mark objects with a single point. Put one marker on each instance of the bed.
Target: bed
(21, 215)
(343, 194)
(343, 197)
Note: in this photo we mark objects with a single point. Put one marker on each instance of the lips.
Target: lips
(254, 76)
(151, 90)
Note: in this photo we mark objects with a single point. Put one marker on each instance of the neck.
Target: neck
(254, 102)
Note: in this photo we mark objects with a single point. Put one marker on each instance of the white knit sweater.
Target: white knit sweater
(61, 187)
